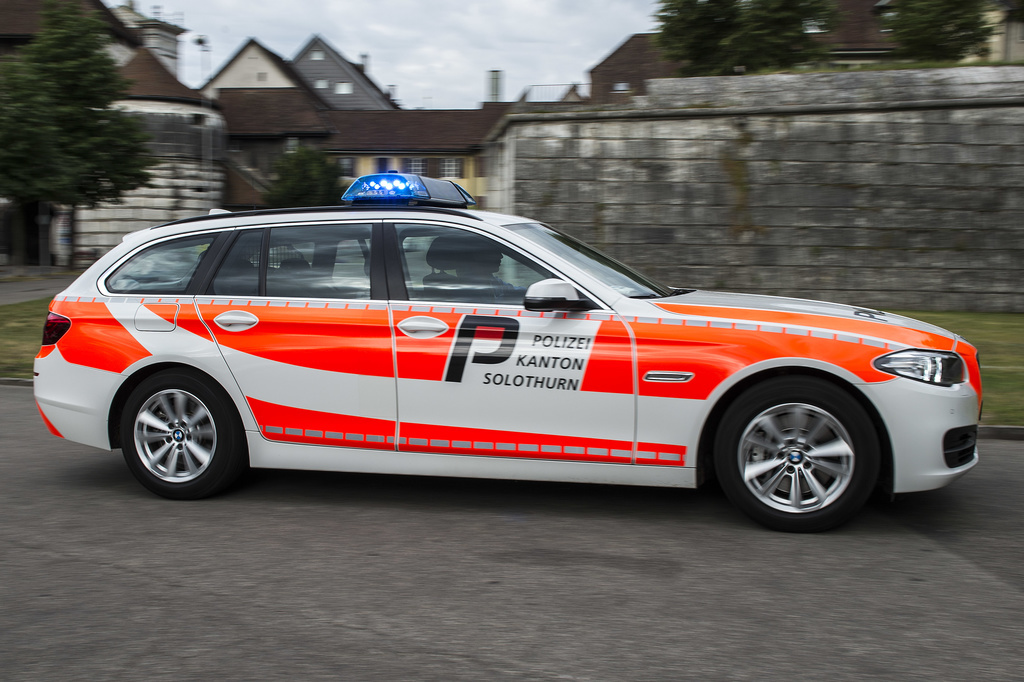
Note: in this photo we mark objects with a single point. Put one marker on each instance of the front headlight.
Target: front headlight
(930, 366)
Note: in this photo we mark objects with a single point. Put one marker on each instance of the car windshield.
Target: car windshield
(607, 270)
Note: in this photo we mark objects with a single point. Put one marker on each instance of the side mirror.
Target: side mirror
(555, 294)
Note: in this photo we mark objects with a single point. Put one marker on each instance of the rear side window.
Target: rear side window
(239, 273)
(165, 268)
(319, 261)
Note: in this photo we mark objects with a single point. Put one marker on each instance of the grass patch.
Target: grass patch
(999, 338)
(21, 334)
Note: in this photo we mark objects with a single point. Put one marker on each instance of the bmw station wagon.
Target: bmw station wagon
(402, 333)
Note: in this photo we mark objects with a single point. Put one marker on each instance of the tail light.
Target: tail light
(56, 327)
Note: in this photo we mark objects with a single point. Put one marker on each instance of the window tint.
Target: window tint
(319, 261)
(165, 268)
(239, 273)
(446, 264)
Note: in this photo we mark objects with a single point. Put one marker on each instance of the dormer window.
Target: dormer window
(316, 55)
(342, 88)
(320, 84)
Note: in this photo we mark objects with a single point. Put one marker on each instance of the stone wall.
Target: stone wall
(188, 180)
(891, 189)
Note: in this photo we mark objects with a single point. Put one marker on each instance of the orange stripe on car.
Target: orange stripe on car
(298, 425)
(49, 424)
(354, 340)
(909, 337)
(96, 338)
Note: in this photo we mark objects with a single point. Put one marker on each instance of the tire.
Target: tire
(798, 429)
(181, 438)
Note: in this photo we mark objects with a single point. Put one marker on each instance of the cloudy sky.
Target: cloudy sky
(436, 52)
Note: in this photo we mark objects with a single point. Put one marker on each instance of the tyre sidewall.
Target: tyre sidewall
(819, 393)
(230, 456)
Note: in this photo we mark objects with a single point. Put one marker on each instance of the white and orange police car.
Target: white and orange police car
(402, 333)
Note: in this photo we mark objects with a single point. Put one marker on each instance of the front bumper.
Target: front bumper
(918, 417)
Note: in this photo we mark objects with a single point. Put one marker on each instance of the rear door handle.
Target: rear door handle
(422, 327)
(236, 320)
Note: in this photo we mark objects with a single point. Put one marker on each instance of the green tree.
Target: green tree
(939, 30)
(694, 31)
(60, 138)
(305, 177)
(714, 37)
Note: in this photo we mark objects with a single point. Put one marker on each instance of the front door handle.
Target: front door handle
(422, 327)
(236, 320)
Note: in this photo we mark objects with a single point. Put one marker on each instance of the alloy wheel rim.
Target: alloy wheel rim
(796, 458)
(175, 436)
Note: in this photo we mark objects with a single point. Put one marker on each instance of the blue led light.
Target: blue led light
(386, 186)
(396, 188)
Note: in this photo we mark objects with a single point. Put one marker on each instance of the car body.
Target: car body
(428, 339)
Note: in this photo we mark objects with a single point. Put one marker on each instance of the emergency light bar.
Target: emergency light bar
(413, 190)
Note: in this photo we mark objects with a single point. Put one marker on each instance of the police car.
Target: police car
(402, 333)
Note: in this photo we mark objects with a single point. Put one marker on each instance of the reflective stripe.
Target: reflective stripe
(310, 427)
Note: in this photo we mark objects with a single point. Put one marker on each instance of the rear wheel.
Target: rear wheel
(797, 454)
(180, 438)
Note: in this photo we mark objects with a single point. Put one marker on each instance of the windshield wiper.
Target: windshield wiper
(672, 292)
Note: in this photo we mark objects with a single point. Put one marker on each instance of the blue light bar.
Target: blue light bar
(400, 188)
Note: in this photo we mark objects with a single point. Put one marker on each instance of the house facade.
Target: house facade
(342, 84)
(440, 143)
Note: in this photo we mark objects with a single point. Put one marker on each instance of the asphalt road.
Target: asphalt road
(328, 576)
(30, 289)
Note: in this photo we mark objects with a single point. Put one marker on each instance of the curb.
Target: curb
(984, 432)
(1001, 432)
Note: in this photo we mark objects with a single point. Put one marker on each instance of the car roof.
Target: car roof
(222, 220)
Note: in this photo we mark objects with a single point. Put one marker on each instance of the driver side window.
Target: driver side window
(448, 264)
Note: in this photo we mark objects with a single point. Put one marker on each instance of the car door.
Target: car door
(304, 329)
(480, 375)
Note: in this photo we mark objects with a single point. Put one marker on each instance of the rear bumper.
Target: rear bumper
(75, 399)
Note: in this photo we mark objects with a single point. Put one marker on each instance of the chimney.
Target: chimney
(364, 62)
(494, 79)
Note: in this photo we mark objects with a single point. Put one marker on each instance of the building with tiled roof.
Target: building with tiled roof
(149, 79)
(263, 123)
(253, 65)
(440, 143)
(159, 36)
(20, 21)
(859, 37)
(341, 83)
(624, 72)
(187, 133)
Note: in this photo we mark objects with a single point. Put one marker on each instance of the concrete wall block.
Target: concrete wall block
(874, 208)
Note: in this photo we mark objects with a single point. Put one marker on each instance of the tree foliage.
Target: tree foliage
(60, 138)
(939, 30)
(305, 177)
(713, 37)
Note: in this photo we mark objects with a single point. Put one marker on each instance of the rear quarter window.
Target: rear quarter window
(164, 268)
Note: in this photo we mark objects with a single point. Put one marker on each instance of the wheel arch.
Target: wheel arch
(706, 444)
(128, 385)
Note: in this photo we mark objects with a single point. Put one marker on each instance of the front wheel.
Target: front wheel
(797, 454)
(181, 438)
